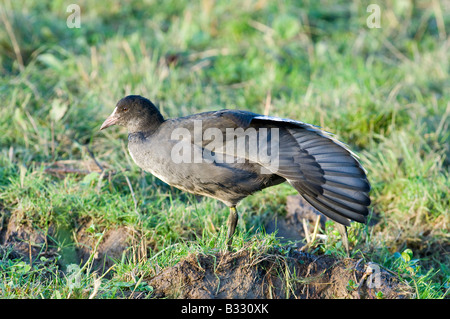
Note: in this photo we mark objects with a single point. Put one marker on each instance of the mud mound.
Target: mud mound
(243, 274)
(299, 275)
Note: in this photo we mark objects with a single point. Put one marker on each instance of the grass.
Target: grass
(385, 92)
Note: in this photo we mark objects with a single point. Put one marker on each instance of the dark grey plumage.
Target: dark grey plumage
(323, 170)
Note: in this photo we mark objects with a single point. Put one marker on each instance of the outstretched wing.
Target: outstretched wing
(323, 170)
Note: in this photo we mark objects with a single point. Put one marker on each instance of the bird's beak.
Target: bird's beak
(110, 120)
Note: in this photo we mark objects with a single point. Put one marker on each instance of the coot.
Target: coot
(230, 154)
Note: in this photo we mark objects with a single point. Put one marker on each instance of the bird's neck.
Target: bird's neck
(146, 124)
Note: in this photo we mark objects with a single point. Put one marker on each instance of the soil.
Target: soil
(114, 243)
(241, 274)
(290, 227)
(21, 240)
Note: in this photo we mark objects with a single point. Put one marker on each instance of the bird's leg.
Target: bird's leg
(344, 236)
(232, 222)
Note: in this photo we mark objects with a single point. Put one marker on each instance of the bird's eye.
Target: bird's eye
(125, 109)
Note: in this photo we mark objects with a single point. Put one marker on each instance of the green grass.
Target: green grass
(385, 92)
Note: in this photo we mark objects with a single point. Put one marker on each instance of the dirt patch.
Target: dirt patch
(243, 274)
(299, 275)
(290, 227)
(113, 244)
(23, 241)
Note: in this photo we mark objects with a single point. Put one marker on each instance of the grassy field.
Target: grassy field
(383, 91)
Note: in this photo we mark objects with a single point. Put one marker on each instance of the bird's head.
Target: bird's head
(136, 113)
